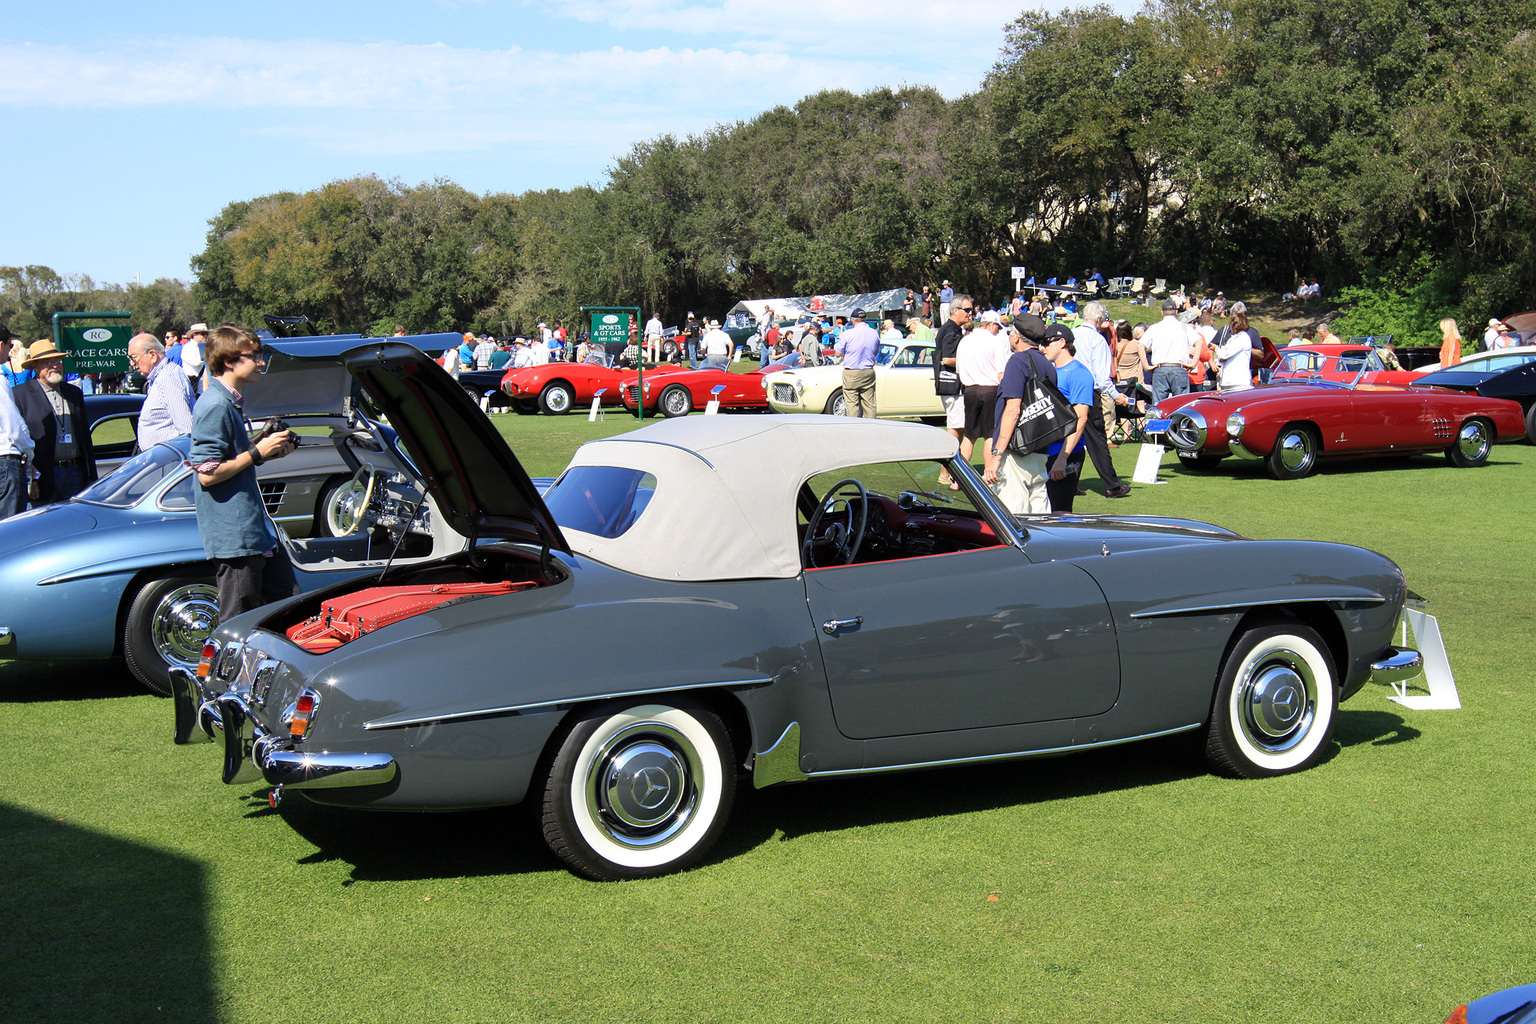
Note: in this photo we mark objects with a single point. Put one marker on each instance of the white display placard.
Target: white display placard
(1147, 461)
(1442, 694)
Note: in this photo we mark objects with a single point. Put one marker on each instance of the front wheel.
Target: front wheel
(557, 398)
(1295, 452)
(525, 406)
(837, 405)
(167, 622)
(1275, 701)
(1474, 442)
(639, 790)
(675, 401)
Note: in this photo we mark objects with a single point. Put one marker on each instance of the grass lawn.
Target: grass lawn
(1389, 883)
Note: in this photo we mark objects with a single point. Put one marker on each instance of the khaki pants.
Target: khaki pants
(1021, 484)
(1107, 407)
(859, 393)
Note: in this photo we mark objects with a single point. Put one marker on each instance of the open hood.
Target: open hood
(306, 377)
(480, 488)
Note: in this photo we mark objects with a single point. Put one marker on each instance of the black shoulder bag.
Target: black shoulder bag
(1045, 417)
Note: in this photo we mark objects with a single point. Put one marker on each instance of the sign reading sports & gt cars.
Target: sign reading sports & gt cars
(610, 328)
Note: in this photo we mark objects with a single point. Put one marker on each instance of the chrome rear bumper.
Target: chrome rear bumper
(251, 752)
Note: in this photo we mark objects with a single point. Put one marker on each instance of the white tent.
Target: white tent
(892, 299)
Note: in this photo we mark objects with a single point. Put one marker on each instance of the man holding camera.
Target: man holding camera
(253, 568)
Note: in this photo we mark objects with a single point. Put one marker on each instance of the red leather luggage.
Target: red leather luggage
(349, 616)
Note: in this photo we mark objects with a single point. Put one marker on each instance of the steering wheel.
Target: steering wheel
(844, 538)
(354, 503)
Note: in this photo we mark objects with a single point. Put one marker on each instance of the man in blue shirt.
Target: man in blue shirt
(858, 346)
(946, 298)
(168, 398)
(1075, 382)
(253, 568)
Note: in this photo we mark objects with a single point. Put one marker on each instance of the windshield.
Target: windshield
(127, 485)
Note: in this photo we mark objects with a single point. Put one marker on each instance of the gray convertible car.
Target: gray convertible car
(716, 599)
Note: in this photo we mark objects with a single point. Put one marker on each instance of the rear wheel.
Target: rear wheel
(1275, 701)
(639, 790)
(837, 405)
(167, 622)
(557, 398)
(675, 401)
(1474, 441)
(1295, 452)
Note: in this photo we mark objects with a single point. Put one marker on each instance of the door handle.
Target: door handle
(831, 626)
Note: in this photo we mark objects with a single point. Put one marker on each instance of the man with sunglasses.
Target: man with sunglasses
(238, 536)
(946, 382)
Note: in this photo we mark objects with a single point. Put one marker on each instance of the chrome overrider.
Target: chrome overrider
(1396, 665)
(251, 752)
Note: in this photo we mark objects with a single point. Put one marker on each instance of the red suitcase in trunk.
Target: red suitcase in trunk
(349, 616)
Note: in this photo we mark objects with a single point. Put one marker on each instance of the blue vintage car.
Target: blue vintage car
(119, 570)
(773, 598)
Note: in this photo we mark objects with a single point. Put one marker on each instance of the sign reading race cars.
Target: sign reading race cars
(96, 349)
(610, 328)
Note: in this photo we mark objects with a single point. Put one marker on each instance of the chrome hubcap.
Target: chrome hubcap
(641, 789)
(1279, 701)
(676, 402)
(1473, 441)
(558, 399)
(1296, 451)
(182, 621)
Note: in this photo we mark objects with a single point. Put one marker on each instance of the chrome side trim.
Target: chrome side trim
(295, 769)
(780, 762)
(1014, 756)
(508, 709)
(1238, 604)
(1396, 665)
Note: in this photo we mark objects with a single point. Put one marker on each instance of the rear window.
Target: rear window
(127, 485)
(604, 501)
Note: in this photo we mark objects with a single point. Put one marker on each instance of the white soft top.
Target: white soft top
(724, 506)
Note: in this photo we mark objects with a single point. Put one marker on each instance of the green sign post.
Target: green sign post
(612, 325)
(102, 349)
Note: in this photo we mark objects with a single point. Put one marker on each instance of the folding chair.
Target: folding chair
(1091, 287)
(1161, 287)
(1139, 287)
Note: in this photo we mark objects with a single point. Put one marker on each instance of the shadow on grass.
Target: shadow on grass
(1378, 728)
(121, 935)
(28, 682)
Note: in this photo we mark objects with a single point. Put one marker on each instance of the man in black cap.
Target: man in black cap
(1020, 480)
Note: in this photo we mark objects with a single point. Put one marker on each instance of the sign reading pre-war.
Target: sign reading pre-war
(96, 349)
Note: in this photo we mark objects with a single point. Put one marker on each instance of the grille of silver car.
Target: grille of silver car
(784, 394)
(272, 495)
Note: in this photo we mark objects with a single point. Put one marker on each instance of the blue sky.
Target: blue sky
(130, 125)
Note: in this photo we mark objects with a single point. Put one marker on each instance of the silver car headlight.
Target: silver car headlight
(1235, 425)
(800, 388)
(1154, 413)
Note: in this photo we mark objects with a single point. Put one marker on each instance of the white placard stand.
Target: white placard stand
(1442, 694)
(596, 412)
(713, 405)
(1147, 461)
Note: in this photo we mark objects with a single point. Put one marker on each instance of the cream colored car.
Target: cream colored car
(903, 384)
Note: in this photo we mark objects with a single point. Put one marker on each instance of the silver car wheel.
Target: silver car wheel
(1295, 453)
(183, 619)
(640, 791)
(347, 505)
(557, 399)
(676, 401)
(1472, 446)
(1275, 703)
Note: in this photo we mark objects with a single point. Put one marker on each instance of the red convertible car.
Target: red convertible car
(1292, 426)
(557, 388)
(681, 392)
(1342, 363)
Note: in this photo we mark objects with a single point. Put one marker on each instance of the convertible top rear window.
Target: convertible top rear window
(604, 501)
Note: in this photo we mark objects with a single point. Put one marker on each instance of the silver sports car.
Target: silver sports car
(773, 599)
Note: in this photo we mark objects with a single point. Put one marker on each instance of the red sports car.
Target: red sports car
(557, 388)
(1342, 363)
(1292, 426)
(681, 392)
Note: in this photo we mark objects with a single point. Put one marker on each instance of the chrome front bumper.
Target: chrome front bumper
(251, 752)
(1396, 665)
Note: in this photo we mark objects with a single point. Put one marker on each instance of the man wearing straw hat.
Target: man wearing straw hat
(54, 409)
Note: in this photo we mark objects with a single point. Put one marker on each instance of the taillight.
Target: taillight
(303, 711)
(205, 663)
